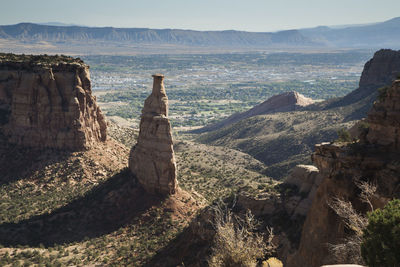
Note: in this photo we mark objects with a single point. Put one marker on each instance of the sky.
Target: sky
(247, 15)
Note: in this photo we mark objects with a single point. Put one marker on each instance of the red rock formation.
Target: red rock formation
(374, 159)
(152, 159)
(381, 70)
(49, 105)
(384, 119)
(307, 179)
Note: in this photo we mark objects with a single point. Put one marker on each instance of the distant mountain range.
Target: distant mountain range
(29, 32)
(384, 34)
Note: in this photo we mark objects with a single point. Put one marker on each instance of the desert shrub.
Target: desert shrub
(343, 135)
(236, 242)
(349, 249)
(381, 238)
(382, 92)
(363, 127)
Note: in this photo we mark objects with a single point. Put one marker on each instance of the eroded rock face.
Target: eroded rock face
(381, 70)
(49, 105)
(373, 159)
(384, 119)
(152, 159)
(307, 179)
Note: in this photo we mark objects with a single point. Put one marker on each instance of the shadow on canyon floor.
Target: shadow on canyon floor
(102, 210)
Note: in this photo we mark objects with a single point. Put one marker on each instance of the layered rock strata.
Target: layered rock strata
(384, 119)
(375, 158)
(48, 103)
(152, 159)
(379, 71)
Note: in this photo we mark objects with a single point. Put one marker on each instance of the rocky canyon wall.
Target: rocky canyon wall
(47, 102)
(381, 70)
(374, 158)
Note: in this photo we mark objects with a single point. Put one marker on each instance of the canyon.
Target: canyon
(103, 195)
(374, 158)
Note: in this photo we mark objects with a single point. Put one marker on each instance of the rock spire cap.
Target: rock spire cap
(158, 84)
(158, 75)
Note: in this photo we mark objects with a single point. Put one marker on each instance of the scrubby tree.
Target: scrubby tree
(381, 237)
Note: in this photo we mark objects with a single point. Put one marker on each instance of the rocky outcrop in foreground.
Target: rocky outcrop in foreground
(152, 159)
(307, 179)
(375, 158)
(47, 102)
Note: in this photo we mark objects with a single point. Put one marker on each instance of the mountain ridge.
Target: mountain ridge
(36, 32)
(375, 35)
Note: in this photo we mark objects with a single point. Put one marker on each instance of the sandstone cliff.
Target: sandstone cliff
(47, 102)
(152, 159)
(375, 158)
(379, 71)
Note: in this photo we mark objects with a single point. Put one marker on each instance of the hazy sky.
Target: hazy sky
(249, 15)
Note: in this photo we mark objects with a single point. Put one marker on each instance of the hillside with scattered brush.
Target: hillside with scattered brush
(68, 196)
(282, 140)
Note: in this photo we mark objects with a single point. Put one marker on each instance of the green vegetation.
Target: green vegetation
(381, 237)
(216, 172)
(343, 135)
(38, 59)
(189, 61)
(382, 93)
(205, 88)
(73, 210)
(280, 140)
(363, 126)
(87, 229)
(198, 106)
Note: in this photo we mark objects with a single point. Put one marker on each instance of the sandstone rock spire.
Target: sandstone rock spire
(152, 159)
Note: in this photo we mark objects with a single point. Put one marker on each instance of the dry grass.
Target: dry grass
(349, 250)
(237, 242)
